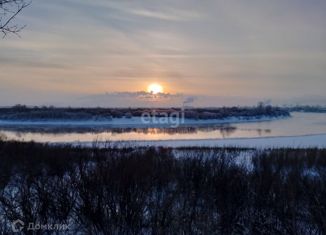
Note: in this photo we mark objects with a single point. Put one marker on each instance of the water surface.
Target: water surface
(297, 125)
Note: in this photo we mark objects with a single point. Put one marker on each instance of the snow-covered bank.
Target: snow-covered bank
(307, 141)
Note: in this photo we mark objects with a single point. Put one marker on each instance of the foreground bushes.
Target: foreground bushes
(137, 191)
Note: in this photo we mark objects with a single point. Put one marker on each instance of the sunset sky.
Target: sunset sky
(103, 52)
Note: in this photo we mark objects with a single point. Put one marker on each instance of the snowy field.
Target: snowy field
(308, 141)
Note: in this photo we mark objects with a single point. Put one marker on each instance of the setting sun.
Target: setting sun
(155, 88)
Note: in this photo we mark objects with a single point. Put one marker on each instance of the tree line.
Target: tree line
(22, 112)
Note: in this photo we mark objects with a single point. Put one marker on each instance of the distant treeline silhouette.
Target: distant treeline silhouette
(162, 190)
(308, 109)
(21, 112)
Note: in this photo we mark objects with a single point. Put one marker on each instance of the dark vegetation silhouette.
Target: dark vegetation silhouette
(22, 112)
(9, 9)
(308, 109)
(162, 190)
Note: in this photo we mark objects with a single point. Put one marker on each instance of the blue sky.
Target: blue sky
(246, 50)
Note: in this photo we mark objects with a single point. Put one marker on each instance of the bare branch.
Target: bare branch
(9, 9)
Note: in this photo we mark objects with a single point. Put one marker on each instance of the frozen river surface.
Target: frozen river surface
(231, 131)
